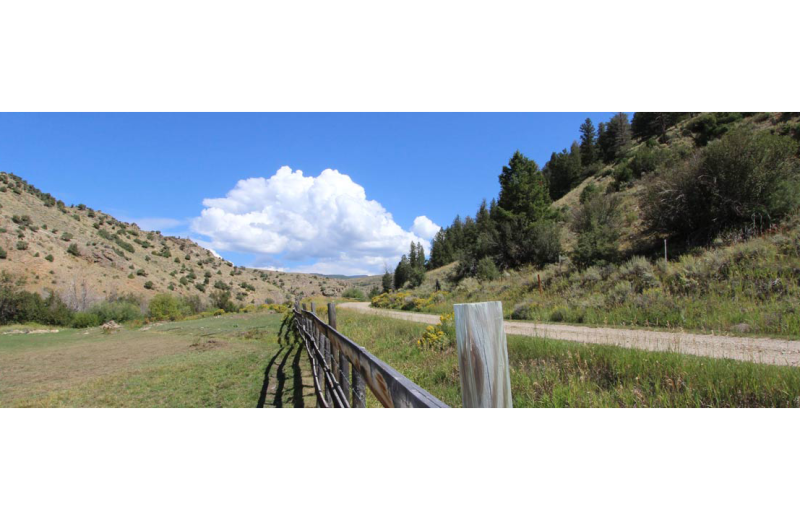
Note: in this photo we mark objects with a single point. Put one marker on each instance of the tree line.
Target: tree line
(521, 227)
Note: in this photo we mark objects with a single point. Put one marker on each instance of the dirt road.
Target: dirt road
(759, 350)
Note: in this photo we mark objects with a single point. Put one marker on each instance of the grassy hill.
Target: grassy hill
(744, 281)
(86, 255)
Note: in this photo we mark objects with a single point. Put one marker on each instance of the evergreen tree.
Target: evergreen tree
(441, 250)
(614, 137)
(563, 171)
(654, 124)
(523, 190)
(387, 281)
(402, 273)
(588, 143)
(621, 130)
(420, 256)
(486, 239)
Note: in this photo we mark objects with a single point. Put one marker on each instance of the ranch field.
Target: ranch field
(236, 361)
(228, 361)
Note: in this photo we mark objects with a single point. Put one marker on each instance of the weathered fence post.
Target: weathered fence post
(482, 355)
(322, 349)
(344, 365)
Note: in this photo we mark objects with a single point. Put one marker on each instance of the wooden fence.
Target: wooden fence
(343, 370)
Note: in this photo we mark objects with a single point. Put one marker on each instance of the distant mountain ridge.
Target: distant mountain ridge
(341, 276)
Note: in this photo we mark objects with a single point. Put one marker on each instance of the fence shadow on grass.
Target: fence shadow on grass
(278, 373)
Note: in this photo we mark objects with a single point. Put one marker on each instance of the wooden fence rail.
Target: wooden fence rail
(342, 369)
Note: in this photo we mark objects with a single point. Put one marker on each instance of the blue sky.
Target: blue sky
(157, 169)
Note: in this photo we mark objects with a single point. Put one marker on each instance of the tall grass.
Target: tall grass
(748, 286)
(550, 373)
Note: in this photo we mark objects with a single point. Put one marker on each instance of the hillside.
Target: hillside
(86, 256)
(735, 268)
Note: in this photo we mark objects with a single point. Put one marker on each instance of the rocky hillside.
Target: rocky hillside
(86, 256)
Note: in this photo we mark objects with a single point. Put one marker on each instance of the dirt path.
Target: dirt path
(758, 350)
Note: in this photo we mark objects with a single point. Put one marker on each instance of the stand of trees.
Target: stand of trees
(520, 227)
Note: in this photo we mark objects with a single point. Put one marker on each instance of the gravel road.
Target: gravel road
(758, 350)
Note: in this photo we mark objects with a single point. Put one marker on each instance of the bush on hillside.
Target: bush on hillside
(222, 300)
(486, 269)
(744, 178)
(73, 250)
(3, 253)
(597, 223)
(354, 293)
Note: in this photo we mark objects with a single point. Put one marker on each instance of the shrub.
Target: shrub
(546, 243)
(3, 254)
(82, 320)
(18, 306)
(416, 276)
(486, 270)
(167, 307)
(22, 245)
(119, 311)
(148, 285)
(707, 128)
(49, 258)
(73, 250)
(141, 272)
(745, 177)
(597, 223)
(440, 336)
(646, 161)
(222, 300)
(66, 237)
(354, 294)
(193, 303)
(127, 246)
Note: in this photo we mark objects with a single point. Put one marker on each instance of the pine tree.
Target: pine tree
(621, 129)
(563, 171)
(387, 281)
(420, 256)
(401, 273)
(523, 190)
(614, 137)
(588, 143)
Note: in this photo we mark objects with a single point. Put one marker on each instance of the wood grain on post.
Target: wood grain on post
(482, 355)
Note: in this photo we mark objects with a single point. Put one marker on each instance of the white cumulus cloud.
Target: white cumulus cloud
(325, 224)
(424, 227)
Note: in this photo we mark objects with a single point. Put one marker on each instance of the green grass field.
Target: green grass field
(551, 373)
(236, 361)
(231, 361)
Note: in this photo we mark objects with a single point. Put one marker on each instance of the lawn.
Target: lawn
(228, 361)
(551, 373)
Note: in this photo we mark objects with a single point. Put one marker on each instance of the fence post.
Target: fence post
(344, 364)
(322, 348)
(482, 355)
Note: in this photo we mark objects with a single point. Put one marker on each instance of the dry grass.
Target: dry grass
(230, 361)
